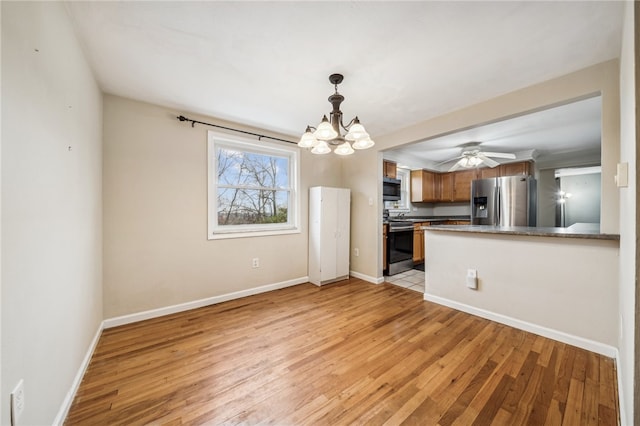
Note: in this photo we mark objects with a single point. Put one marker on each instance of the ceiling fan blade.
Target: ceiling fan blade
(499, 155)
(456, 166)
(488, 161)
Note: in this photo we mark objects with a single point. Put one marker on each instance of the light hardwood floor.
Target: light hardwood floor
(346, 353)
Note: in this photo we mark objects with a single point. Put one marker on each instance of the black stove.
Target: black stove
(396, 225)
(400, 246)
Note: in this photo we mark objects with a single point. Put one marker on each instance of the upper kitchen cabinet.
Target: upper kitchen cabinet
(488, 172)
(446, 187)
(456, 186)
(390, 169)
(434, 187)
(508, 169)
(424, 186)
(514, 169)
(462, 184)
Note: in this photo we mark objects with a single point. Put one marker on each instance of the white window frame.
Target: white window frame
(404, 204)
(240, 143)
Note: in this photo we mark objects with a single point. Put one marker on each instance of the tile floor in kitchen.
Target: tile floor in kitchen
(412, 279)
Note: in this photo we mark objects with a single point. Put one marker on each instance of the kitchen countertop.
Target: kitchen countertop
(526, 230)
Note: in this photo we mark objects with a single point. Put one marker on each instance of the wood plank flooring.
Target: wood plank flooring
(346, 353)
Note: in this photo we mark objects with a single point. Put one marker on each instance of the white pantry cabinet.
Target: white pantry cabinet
(329, 221)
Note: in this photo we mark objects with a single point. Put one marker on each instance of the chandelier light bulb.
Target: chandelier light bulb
(363, 143)
(321, 148)
(356, 131)
(344, 149)
(308, 140)
(325, 131)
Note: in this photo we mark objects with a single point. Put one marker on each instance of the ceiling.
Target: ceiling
(267, 64)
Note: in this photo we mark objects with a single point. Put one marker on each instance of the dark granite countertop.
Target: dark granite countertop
(526, 230)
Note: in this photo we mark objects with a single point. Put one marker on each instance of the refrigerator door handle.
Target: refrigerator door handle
(498, 202)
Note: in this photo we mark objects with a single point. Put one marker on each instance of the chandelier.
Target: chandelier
(320, 139)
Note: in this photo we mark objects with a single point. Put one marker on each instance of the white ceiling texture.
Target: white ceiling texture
(266, 64)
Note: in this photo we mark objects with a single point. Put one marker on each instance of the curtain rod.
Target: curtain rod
(193, 122)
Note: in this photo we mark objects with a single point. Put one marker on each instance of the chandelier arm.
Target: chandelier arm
(348, 124)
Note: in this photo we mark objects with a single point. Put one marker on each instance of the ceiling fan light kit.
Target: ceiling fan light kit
(472, 156)
(320, 139)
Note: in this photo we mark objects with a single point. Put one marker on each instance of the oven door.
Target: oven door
(400, 246)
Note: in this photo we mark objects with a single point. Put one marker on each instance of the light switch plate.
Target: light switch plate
(472, 279)
(622, 175)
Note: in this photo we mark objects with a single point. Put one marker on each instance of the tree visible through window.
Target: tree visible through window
(252, 186)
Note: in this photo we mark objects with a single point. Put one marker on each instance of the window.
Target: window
(252, 188)
(403, 205)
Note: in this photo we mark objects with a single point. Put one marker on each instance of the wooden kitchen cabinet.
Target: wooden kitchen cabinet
(488, 172)
(462, 184)
(514, 169)
(434, 187)
(458, 222)
(446, 187)
(390, 169)
(424, 186)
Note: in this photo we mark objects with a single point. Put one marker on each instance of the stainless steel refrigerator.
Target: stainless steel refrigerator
(504, 201)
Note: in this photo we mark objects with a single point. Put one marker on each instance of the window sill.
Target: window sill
(249, 234)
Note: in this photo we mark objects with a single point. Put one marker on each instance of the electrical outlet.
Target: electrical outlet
(356, 252)
(255, 262)
(17, 402)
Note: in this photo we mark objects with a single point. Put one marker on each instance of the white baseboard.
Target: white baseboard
(560, 336)
(367, 278)
(155, 313)
(68, 399)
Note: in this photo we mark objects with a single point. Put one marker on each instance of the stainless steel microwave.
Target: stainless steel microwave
(391, 189)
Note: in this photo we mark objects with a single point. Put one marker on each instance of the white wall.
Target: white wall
(563, 284)
(547, 197)
(51, 207)
(156, 252)
(584, 204)
(628, 214)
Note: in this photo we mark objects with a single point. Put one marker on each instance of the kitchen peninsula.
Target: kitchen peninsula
(554, 282)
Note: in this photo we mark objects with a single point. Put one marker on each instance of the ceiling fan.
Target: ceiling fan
(473, 156)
